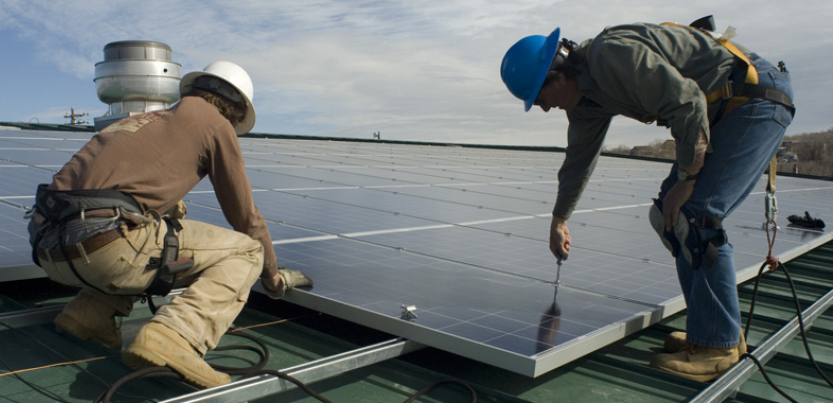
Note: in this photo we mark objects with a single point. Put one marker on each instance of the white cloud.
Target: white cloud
(416, 70)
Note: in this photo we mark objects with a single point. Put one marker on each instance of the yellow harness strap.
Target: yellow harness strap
(726, 92)
(751, 78)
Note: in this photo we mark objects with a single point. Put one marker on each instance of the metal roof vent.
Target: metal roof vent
(136, 77)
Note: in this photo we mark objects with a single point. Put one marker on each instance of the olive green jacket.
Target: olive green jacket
(651, 73)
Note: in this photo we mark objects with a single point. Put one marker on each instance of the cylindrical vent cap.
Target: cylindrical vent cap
(146, 50)
(139, 72)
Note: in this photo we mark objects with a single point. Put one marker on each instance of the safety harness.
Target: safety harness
(707, 233)
(738, 93)
(168, 265)
(59, 207)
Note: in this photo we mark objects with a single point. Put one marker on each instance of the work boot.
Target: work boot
(87, 317)
(158, 345)
(677, 341)
(699, 363)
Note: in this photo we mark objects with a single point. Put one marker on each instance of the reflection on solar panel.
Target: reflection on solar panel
(447, 246)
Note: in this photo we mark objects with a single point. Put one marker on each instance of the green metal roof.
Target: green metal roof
(616, 373)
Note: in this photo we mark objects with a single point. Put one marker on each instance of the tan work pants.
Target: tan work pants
(226, 265)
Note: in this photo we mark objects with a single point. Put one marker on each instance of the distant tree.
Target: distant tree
(620, 149)
(814, 152)
(662, 149)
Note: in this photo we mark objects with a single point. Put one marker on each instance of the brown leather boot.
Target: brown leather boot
(677, 341)
(159, 345)
(87, 317)
(702, 364)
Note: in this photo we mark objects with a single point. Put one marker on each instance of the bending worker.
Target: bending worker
(111, 222)
(680, 77)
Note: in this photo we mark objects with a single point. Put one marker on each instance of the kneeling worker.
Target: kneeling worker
(112, 222)
(677, 76)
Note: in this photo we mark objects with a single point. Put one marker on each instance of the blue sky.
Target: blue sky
(415, 70)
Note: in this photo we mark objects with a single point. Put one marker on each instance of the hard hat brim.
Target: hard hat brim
(547, 55)
(241, 127)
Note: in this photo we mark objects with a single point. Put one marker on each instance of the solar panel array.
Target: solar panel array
(448, 246)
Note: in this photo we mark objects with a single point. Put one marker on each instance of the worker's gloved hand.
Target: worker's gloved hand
(289, 279)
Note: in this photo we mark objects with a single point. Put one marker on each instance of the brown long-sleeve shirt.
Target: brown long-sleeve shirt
(158, 157)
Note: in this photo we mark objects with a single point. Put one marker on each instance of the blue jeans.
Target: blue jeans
(742, 142)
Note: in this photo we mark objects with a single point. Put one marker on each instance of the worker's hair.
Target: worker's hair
(569, 67)
(235, 112)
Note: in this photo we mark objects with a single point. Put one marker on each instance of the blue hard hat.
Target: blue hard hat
(526, 64)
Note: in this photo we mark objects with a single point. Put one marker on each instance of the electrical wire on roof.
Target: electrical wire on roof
(773, 263)
(248, 372)
(66, 362)
(165, 372)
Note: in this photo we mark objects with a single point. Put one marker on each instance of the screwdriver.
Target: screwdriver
(557, 279)
(558, 273)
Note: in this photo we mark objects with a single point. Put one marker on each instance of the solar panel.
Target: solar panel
(448, 246)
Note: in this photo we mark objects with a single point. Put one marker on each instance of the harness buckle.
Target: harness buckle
(770, 207)
(726, 91)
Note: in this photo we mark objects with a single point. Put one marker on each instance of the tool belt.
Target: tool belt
(56, 208)
(64, 205)
(73, 252)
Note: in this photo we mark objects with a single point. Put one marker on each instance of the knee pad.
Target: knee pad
(672, 240)
(697, 243)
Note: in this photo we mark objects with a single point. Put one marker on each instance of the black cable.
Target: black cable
(247, 372)
(801, 326)
(263, 353)
(152, 372)
(289, 378)
(435, 384)
(766, 377)
(752, 302)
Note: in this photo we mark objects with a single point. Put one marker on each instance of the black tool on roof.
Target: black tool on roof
(806, 221)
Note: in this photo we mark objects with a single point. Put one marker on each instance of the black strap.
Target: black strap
(60, 205)
(763, 92)
(168, 266)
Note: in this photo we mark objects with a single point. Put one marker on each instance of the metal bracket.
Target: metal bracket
(260, 386)
(409, 312)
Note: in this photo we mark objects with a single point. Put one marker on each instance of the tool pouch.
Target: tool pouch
(167, 266)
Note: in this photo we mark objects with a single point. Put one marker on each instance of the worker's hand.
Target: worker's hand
(559, 238)
(674, 201)
(285, 279)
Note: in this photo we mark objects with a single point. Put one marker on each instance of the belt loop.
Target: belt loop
(82, 252)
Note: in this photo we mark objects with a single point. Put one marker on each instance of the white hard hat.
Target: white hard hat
(231, 74)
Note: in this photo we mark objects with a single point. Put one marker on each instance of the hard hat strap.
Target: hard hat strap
(219, 86)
